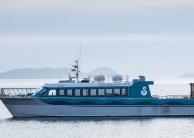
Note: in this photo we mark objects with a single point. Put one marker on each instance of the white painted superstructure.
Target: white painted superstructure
(80, 85)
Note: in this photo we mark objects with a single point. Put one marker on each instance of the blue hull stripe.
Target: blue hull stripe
(164, 102)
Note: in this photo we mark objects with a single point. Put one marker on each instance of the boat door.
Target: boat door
(192, 90)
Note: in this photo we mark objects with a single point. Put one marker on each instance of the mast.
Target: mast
(76, 69)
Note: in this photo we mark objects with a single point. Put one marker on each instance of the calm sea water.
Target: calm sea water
(99, 127)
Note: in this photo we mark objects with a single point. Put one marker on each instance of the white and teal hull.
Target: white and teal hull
(81, 111)
(36, 108)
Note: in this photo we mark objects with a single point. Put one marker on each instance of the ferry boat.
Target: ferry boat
(97, 96)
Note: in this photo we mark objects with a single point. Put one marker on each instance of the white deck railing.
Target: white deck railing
(12, 92)
(172, 97)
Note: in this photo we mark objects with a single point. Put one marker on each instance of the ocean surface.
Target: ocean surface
(99, 127)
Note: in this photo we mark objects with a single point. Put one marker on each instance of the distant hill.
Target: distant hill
(50, 73)
(102, 70)
(188, 75)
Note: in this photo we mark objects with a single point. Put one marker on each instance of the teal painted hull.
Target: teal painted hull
(116, 101)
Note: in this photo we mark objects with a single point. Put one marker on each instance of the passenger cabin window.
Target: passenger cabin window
(85, 92)
(61, 92)
(77, 92)
(117, 92)
(52, 93)
(69, 92)
(109, 92)
(101, 92)
(93, 92)
(125, 92)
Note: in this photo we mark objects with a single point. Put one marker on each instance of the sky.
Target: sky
(135, 37)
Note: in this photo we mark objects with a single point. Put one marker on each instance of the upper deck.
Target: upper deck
(87, 85)
(95, 81)
(138, 88)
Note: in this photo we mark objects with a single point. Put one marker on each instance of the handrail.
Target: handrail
(172, 97)
(13, 92)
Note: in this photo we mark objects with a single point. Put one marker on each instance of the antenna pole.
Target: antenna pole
(80, 55)
(77, 73)
(80, 48)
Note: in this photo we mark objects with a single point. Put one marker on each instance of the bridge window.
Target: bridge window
(77, 92)
(93, 92)
(69, 92)
(125, 92)
(52, 93)
(42, 92)
(61, 92)
(101, 92)
(117, 92)
(109, 92)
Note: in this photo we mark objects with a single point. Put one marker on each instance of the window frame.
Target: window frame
(103, 91)
(107, 93)
(75, 92)
(126, 92)
(59, 90)
(87, 91)
(52, 95)
(118, 93)
(91, 92)
(71, 92)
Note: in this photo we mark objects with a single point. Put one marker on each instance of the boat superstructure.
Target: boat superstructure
(96, 96)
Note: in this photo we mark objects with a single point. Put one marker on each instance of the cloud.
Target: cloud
(96, 38)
